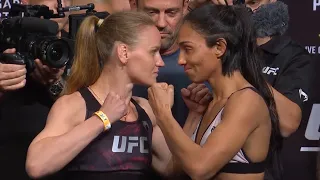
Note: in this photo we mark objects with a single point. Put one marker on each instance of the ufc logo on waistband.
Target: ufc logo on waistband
(128, 143)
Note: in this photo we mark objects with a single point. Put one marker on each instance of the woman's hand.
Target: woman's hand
(161, 98)
(115, 106)
(197, 97)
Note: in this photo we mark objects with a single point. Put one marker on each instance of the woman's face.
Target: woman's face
(199, 61)
(144, 59)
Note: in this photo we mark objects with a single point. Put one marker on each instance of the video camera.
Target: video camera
(35, 37)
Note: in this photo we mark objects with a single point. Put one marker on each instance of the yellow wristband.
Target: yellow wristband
(104, 118)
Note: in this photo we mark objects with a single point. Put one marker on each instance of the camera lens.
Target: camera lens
(57, 53)
(51, 51)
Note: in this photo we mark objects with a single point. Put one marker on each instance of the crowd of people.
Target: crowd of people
(167, 89)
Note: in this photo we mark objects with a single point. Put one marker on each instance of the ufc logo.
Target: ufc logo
(128, 143)
(270, 70)
(303, 95)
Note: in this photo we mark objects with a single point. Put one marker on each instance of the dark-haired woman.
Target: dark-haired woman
(238, 134)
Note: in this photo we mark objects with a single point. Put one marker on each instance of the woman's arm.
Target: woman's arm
(239, 121)
(65, 135)
(191, 123)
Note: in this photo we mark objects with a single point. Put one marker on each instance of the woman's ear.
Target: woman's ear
(220, 47)
(122, 52)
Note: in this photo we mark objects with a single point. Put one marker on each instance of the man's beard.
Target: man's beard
(168, 41)
(271, 19)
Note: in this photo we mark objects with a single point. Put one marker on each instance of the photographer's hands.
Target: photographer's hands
(46, 75)
(12, 76)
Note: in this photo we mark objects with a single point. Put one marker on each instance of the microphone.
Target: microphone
(89, 7)
(33, 24)
(271, 19)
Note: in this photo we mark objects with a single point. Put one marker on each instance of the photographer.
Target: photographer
(25, 103)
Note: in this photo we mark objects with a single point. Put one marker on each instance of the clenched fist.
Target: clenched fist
(161, 98)
(115, 105)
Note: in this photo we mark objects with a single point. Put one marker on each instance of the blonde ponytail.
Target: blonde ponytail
(86, 67)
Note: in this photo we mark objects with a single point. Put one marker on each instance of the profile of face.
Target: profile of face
(166, 14)
(53, 4)
(143, 61)
(255, 4)
(200, 61)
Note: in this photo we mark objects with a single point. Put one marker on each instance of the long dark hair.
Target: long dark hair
(233, 24)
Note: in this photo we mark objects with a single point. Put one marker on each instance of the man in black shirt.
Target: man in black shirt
(287, 64)
(288, 70)
(24, 105)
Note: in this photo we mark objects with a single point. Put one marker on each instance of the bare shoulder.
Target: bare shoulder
(66, 113)
(72, 102)
(144, 103)
(68, 106)
(247, 106)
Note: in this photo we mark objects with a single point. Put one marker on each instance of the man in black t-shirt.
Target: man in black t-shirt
(287, 64)
(288, 69)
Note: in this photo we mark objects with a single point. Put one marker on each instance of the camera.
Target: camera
(30, 30)
(33, 38)
(75, 20)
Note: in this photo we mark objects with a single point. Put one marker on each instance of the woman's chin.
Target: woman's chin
(196, 79)
(147, 83)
